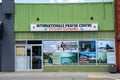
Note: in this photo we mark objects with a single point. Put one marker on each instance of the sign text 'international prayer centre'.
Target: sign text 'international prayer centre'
(64, 27)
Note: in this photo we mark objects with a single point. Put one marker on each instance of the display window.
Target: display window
(87, 52)
(51, 52)
(105, 52)
(78, 52)
(69, 58)
(60, 52)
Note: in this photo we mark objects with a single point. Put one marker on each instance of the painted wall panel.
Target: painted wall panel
(50, 14)
(78, 11)
(76, 68)
(65, 13)
(64, 35)
(102, 13)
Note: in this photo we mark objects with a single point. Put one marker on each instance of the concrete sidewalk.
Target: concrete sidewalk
(31, 73)
(55, 75)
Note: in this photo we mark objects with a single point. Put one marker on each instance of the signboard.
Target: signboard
(64, 27)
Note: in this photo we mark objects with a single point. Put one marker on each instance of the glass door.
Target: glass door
(34, 57)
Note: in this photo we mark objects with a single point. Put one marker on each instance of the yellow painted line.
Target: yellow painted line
(111, 77)
(100, 77)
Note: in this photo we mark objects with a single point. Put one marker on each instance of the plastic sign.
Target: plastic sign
(64, 27)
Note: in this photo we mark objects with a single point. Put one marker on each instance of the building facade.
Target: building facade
(64, 37)
(117, 33)
(7, 54)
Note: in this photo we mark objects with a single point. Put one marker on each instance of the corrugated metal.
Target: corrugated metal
(64, 35)
(26, 14)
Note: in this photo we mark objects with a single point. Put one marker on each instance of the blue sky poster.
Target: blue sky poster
(87, 52)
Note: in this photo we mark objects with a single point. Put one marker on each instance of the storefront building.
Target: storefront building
(64, 37)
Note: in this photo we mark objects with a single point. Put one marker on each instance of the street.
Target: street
(59, 76)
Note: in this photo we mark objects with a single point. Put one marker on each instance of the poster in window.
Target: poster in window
(87, 52)
(56, 58)
(51, 51)
(47, 58)
(101, 57)
(69, 58)
(20, 51)
(51, 46)
(111, 58)
(104, 50)
(69, 46)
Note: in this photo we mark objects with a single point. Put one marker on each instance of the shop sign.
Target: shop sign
(64, 27)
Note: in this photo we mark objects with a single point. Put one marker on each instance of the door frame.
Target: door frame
(26, 45)
(21, 45)
(41, 57)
